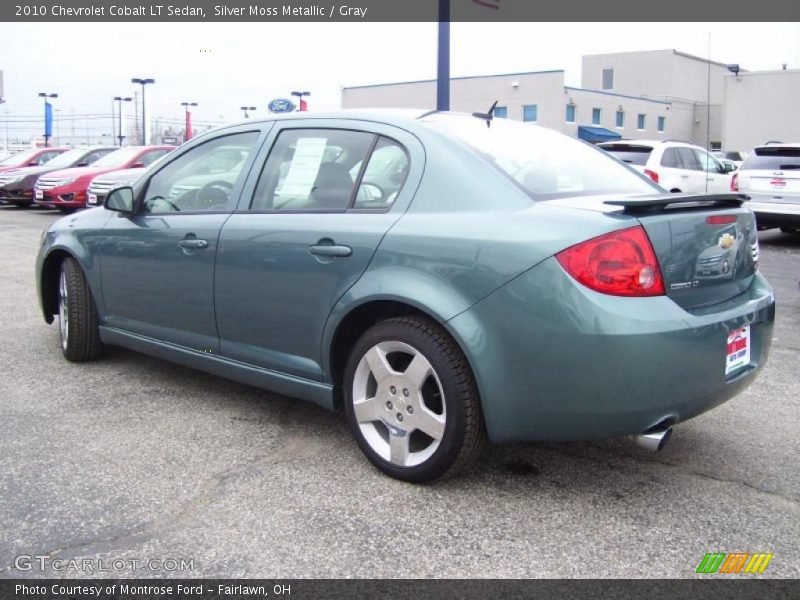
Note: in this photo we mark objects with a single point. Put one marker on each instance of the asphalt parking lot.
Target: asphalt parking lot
(136, 459)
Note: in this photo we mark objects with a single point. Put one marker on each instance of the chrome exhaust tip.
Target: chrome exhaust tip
(654, 441)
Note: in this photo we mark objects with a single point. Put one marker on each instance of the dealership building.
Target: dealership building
(659, 94)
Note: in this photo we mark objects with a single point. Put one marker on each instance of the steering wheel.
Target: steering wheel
(214, 193)
(170, 203)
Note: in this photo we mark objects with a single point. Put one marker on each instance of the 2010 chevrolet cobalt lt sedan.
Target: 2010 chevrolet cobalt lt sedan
(440, 277)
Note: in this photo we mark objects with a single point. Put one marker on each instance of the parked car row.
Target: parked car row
(60, 178)
(769, 175)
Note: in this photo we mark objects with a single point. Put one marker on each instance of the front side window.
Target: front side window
(570, 113)
(708, 162)
(314, 170)
(620, 118)
(530, 113)
(661, 124)
(596, 116)
(641, 121)
(202, 179)
(544, 163)
(608, 79)
(47, 156)
(688, 159)
(501, 112)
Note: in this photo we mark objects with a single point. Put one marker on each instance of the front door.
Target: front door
(157, 267)
(322, 203)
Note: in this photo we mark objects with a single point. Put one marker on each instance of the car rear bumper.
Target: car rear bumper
(556, 361)
(774, 214)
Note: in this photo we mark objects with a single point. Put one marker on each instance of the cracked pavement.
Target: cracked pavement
(131, 457)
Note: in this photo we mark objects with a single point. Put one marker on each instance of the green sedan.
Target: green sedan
(441, 278)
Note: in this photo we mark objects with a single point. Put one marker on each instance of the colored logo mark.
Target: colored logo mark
(735, 562)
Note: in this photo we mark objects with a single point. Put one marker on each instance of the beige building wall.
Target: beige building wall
(761, 106)
(546, 90)
(661, 74)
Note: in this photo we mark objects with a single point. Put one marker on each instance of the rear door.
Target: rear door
(305, 230)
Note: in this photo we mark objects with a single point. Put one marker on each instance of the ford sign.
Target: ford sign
(281, 105)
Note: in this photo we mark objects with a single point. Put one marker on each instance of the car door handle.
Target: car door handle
(330, 250)
(684, 176)
(193, 244)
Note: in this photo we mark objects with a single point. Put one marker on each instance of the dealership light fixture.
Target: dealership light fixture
(143, 82)
(120, 100)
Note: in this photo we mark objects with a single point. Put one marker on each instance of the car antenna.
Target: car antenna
(487, 116)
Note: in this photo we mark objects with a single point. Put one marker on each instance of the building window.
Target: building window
(530, 112)
(641, 122)
(501, 112)
(570, 113)
(595, 116)
(608, 79)
(661, 122)
(620, 119)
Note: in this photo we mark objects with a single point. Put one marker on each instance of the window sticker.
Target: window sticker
(304, 167)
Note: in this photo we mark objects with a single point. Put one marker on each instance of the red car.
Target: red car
(66, 189)
(30, 158)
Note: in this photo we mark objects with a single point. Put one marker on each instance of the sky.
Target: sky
(223, 66)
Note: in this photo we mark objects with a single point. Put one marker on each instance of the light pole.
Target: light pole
(245, 109)
(143, 82)
(48, 116)
(187, 132)
(120, 100)
(301, 104)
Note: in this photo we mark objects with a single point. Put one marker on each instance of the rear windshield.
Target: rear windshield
(633, 155)
(773, 158)
(544, 163)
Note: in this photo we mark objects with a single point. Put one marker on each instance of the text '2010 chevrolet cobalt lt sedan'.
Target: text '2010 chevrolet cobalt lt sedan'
(440, 277)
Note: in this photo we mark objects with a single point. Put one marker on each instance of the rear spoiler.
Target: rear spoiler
(645, 204)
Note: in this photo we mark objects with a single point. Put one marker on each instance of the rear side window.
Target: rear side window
(313, 170)
(773, 158)
(385, 174)
(633, 155)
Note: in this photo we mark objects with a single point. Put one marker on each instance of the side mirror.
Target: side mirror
(120, 200)
(33, 163)
(137, 165)
(729, 167)
(82, 164)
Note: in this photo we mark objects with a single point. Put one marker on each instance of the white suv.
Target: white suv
(676, 166)
(770, 175)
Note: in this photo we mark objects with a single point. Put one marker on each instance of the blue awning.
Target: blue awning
(597, 134)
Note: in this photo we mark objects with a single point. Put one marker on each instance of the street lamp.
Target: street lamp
(301, 104)
(245, 109)
(187, 133)
(143, 82)
(120, 100)
(47, 131)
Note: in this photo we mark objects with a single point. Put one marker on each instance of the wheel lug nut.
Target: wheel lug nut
(410, 410)
(392, 390)
(405, 392)
(389, 406)
(400, 417)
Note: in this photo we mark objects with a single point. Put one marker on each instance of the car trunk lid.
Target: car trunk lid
(706, 245)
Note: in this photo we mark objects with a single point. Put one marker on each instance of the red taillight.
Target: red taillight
(651, 174)
(735, 182)
(621, 263)
(721, 219)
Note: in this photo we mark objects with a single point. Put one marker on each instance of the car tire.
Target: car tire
(77, 314)
(411, 400)
(22, 204)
